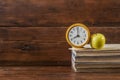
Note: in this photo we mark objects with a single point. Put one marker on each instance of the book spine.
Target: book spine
(106, 70)
(90, 53)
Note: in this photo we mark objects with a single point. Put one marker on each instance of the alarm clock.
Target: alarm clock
(77, 35)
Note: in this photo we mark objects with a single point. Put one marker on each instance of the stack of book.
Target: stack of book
(91, 60)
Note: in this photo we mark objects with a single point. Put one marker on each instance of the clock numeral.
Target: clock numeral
(70, 35)
(74, 41)
(85, 35)
(84, 39)
(81, 41)
(77, 42)
(71, 31)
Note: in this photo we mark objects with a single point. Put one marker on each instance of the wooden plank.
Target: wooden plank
(53, 34)
(43, 34)
(59, 12)
(33, 45)
(51, 73)
(16, 52)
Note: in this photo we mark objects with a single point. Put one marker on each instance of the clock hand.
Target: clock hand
(74, 37)
(77, 30)
(77, 36)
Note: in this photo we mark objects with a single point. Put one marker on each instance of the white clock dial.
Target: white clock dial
(78, 35)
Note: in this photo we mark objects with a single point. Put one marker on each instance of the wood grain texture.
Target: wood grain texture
(32, 32)
(51, 73)
(34, 52)
(53, 34)
(41, 45)
(59, 12)
(41, 34)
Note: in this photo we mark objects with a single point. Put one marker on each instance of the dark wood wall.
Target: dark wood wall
(32, 32)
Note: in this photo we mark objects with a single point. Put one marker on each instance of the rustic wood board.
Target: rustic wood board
(51, 73)
(58, 33)
(59, 12)
(33, 45)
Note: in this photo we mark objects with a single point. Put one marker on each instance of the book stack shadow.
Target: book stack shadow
(92, 60)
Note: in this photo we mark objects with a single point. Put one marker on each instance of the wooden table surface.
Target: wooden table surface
(51, 73)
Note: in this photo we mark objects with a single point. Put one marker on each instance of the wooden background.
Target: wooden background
(32, 32)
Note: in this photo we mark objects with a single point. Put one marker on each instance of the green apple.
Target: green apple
(97, 41)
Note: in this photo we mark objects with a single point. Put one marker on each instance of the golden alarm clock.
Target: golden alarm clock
(77, 35)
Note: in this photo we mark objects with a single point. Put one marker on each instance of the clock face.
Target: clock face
(78, 35)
